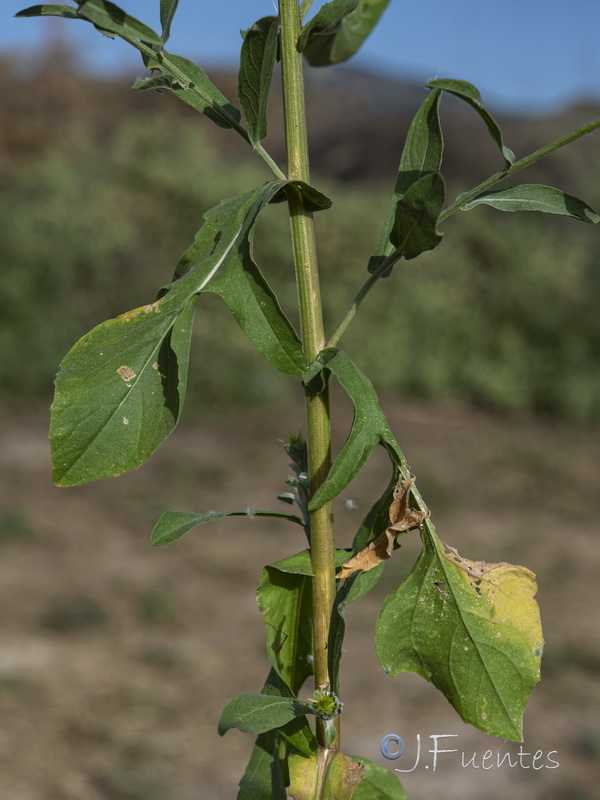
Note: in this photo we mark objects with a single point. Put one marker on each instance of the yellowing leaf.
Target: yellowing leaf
(328, 774)
(509, 591)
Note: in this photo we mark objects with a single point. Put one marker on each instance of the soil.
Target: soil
(117, 658)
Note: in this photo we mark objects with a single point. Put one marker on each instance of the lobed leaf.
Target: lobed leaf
(109, 17)
(257, 61)
(191, 84)
(421, 156)
(340, 42)
(378, 784)
(284, 598)
(167, 12)
(470, 94)
(415, 222)
(258, 713)
(172, 525)
(472, 629)
(536, 197)
(369, 427)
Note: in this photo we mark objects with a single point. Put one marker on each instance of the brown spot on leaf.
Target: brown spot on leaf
(126, 373)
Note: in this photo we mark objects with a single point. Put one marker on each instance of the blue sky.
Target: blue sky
(524, 55)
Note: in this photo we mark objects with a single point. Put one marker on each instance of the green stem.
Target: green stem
(178, 75)
(313, 337)
(460, 201)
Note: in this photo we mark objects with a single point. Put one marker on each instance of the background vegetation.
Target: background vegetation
(504, 314)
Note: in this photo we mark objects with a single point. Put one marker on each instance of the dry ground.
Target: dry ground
(116, 658)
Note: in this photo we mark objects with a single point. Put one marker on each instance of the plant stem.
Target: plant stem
(313, 337)
(466, 197)
(460, 201)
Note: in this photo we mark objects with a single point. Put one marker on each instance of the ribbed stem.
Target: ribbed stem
(313, 338)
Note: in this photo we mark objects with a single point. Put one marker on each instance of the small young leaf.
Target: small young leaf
(109, 17)
(340, 42)
(536, 197)
(258, 713)
(369, 428)
(471, 628)
(167, 12)
(414, 229)
(470, 94)
(257, 60)
(378, 784)
(285, 600)
(174, 524)
(191, 84)
(49, 10)
(421, 155)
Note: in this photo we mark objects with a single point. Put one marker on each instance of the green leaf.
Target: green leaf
(257, 60)
(472, 629)
(421, 156)
(378, 784)
(258, 713)
(167, 12)
(536, 197)
(172, 525)
(119, 392)
(340, 40)
(121, 387)
(285, 600)
(470, 94)
(369, 428)
(113, 19)
(262, 778)
(300, 737)
(378, 517)
(49, 10)
(337, 630)
(417, 211)
(191, 84)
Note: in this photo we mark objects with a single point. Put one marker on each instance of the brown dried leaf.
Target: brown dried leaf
(402, 518)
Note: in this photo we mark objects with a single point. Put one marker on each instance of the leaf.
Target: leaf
(343, 40)
(284, 598)
(172, 525)
(258, 713)
(110, 17)
(421, 155)
(470, 94)
(167, 12)
(536, 197)
(191, 84)
(49, 10)
(377, 518)
(262, 778)
(326, 20)
(414, 229)
(121, 387)
(369, 428)
(378, 784)
(471, 628)
(328, 774)
(257, 60)
(119, 392)
(401, 519)
(337, 630)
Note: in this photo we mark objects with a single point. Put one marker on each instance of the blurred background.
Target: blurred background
(116, 659)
